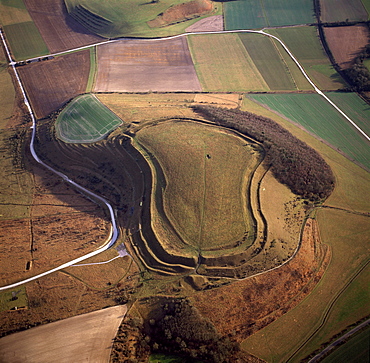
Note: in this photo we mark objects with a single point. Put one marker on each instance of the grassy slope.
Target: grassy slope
(223, 64)
(85, 119)
(311, 55)
(278, 340)
(355, 349)
(203, 197)
(319, 117)
(130, 16)
(342, 10)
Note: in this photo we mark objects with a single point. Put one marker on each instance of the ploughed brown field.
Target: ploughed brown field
(62, 226)
(50, 84)
(59, 31)
(137, 66)
(345, 42)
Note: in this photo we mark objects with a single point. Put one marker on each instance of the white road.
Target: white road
(114, 232)
(114, 229)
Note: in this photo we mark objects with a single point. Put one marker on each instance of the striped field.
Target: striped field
(85, 119)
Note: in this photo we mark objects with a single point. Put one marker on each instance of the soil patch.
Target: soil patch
(50, 84)
(142, 66)
(345, 42)
(59, 30)
(212, 23)
(182, 12)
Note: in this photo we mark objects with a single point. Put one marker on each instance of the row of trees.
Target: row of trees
(358, 74)
(177, 328)
(292, 161)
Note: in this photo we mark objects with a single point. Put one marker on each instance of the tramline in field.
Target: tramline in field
(85, 119)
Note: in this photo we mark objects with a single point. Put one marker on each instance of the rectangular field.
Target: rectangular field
(49, 84)
(142, 66)
(25, 40)
(269, 61)
(342, 10)
(258, 14)
(59, 31)
(305, 45)
(318, 117)
(346, 42)
(223, 64)
(13, 12)
(85, 119)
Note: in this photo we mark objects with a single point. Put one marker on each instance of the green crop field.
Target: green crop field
(207, 173)
(113, 18)
(223, 64)
(258, 14)
(366, 4)
(343, 10)
(320, 118)
(85, 119)
(25, 40)
(305, 45)
(356, 349)
(269, 61)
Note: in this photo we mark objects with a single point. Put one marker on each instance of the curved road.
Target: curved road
(114, 229)
(114, 233)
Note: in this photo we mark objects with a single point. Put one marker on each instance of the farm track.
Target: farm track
(114, 233)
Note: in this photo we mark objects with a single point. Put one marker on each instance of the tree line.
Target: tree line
(291, 160)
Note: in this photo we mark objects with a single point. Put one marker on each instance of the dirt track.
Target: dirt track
(138, 66)
(83, 338)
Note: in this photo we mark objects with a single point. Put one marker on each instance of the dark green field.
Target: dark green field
(25, 40)
(356, 349)
(320, 118)
(256, 14)
(85, 119)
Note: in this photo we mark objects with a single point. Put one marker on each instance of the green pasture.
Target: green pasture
(356, 349)
(84, 120)
(12, 299)
(366, 4)
(93, 70)
(269, 61)
(129, 17)
(343, 10)
(257, 14)
(25, 40)
(317, 116)
(207, 173)
(305, 45)
(223, 64)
